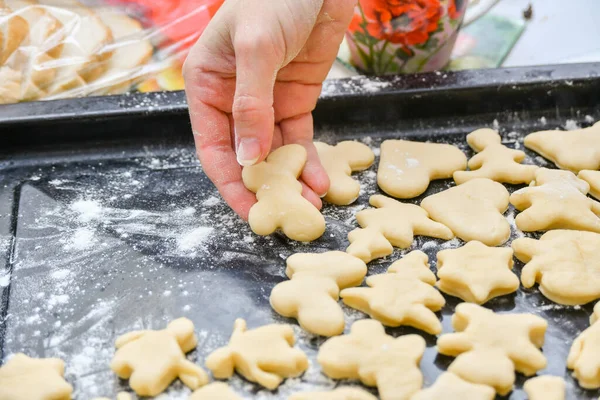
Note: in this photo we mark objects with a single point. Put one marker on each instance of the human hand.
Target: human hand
(252, 80)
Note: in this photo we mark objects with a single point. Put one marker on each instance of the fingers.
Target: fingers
(299, 130)
(311, 196)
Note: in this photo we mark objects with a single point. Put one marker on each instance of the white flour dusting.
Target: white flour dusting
(88, 209)
(211, 201)
(4, 279)
(543, 120)
(82, 239)
(571, 125)
(589, 119)
(191, 240)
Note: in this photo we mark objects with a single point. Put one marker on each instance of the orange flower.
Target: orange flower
(407, 22)
(454, 10)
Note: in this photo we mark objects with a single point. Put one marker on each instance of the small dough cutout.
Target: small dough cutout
(473, 211)
(566, 264)
(583, 358)
(279, 194)
(120, 396)
(545, 387)
(312, 293)
(450, 387)
(391, 224)
(339, 162)
(343, 393)
(402, 297)
(368, 354)
(556, 200)
(152, 360)
(215, 391)
(489, 347)
(494, 160)
(406, 168)
(572, 150)
(476, 273)
(593, 179)
(25, 378)
(265, 355)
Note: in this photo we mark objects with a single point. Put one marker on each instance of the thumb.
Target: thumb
(256, 70)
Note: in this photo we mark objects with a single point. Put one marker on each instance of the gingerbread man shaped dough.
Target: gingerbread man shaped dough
(151, 360)
(279, 194)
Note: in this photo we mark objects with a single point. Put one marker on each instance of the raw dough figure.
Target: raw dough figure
(377, 359)
(25, 378)
(583, 358)
(476, 273)
(151, 360)
(312, 294)
(450, 387)
(494, 161)
(392, 224)
(556, 200)
(263, 355)
(340, 161)
(406, 167)
(545, 387)
(473, 211)
(572, 150)
(279, 194)
(403, 296)
(215, 391)
(566, 264)
(593, 179)
(489, 347)
(343, 393)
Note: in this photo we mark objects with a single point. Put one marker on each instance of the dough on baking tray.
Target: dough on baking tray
(25, 378)
(402, 297)
(312, 293)
(566, 264)
(391, 224)
(339, 162)
(120, 396)
(593, 179)
(151, 360)
(473, 211)
(494, 160)
(556, 200)
(279, 194)
(414, 265)
(265, 355)
(489, 347)
(406, 168)
(215, 391)
(583, 358)
(545, 387)
(450, 387)
(367, 353)
(343, 393)
(476, 273)
(573, 150)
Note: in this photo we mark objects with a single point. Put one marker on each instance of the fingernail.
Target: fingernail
(248, 152)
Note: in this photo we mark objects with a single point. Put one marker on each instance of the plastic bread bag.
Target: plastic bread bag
(51, 49)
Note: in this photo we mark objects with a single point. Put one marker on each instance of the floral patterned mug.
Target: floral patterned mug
(404, 36)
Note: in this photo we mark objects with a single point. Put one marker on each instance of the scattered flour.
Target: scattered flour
(495, 125)
(82, 239)
(412, 162)
(88, 209)
(543, 121)
(4, 279)
(589, 119)
(571, 125)
(211, 201)
(189, 241)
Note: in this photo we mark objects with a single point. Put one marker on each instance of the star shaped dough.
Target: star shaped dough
(450, 387)
(566, 264)
(494, 161)
(556, 200)
(489, 347)
(572, 150)
(367, 353)
(264, 355)
(279, 196)
(215, 391)
(392, 224)
(405, 297)
(583, 358)
(25, 378)
(545, 387)
(473, 211)
(339, 162)
(406, 167)
(343, 393)
(312, 293)
(476, 273)
(151, 360)
(593, 179)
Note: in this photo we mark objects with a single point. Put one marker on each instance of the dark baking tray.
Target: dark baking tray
(107, 223)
